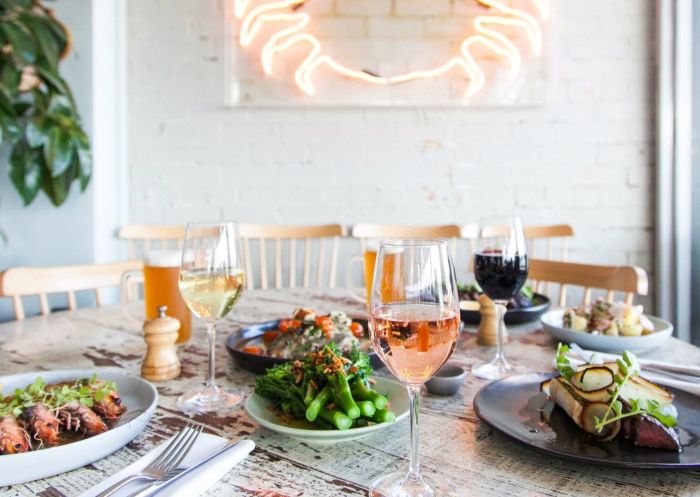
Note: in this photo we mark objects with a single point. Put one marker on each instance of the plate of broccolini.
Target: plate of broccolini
(326, 397)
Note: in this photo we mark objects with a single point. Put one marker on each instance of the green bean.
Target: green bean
(367, 408)
(343, 396)
(384, 416)
(361, 391)
(336, 418)
(318, 403)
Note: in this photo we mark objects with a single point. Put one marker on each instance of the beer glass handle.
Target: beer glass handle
(129, 293)
(348, 278)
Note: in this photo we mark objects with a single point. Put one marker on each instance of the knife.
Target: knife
(157, 485)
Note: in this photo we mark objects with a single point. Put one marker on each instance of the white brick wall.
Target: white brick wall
(585, 158)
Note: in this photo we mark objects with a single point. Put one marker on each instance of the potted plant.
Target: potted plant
(38, 117)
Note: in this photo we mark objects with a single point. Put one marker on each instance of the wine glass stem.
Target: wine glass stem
(414, 408)
(501, 311)
(211, 333)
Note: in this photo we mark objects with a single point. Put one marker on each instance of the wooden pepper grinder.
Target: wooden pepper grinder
(487, 334)
(161, 362)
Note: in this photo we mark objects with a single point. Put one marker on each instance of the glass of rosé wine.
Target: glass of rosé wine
(414, 326)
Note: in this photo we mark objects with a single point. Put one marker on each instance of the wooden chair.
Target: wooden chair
(314, 239)
(550, 235)
(149, 237)
(368, 231)
(631, 280)
(42, 281)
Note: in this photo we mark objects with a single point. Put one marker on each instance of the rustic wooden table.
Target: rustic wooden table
(454, 442)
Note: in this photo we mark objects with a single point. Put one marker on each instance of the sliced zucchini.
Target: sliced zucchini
(594, 410)
(594, 378)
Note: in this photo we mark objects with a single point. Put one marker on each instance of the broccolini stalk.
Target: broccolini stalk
(362, 391)
(318, 403)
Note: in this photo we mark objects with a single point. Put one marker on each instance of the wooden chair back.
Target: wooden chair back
(631, 280)
(147, 237)
(319, 254)
(369, 231)
(550, 235)
(42, 281)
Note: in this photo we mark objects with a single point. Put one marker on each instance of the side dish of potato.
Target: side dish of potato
(608, 318)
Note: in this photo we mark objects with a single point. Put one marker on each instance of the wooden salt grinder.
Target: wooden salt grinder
(161, 362)
(487, 333)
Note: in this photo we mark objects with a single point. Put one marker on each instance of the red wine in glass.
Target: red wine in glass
(500, 277)
(500, 268)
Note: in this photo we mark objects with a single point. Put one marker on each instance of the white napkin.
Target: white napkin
(192, 484)
(688, 386)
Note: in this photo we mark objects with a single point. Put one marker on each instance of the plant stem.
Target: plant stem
(618, 390)
(603, 422)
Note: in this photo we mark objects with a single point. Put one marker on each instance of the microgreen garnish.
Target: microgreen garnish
(628, 366)
(563, 362)
(86, 391)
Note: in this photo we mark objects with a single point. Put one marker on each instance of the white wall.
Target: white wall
(42, 234)
(586, 158)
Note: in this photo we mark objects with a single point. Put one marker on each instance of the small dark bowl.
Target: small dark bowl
(513, 316)
(447, 381)
(260, 363)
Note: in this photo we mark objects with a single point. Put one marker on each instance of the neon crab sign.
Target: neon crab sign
(291, 30)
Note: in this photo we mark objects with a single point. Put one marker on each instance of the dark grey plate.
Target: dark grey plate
(521, 315)
(252, 335)
(512, 406)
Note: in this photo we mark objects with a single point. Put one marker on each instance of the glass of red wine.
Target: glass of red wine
(414, 326)
(500, 268)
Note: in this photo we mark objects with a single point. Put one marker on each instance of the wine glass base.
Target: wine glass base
(208, 400)
(398, 484)
(494, 370)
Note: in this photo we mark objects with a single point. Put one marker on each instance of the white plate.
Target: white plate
(139, 397)
(260, 409)
(552, 322)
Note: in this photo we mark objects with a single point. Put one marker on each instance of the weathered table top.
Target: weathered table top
(454, 442)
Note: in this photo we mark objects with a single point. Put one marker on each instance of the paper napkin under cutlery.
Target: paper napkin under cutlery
(192, 484)
(657, 377)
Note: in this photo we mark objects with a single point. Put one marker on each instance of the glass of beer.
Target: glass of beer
(414, 326)
(161, 270)
(390, 257)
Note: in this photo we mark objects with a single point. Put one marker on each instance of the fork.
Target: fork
(166, 463)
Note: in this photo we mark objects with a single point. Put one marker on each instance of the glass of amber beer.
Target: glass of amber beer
(161, 271)
(368, 260)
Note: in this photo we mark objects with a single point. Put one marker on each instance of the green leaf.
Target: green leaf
(37, 131)
(25, 170)
(58, 33)
(85, 159)
(60, 105)
(22, 42)
(53, 80)
(56, 189)
(58, 151)
(48, 43)
(10, 78)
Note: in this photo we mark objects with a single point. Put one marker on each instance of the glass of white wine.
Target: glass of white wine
(211, 282)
